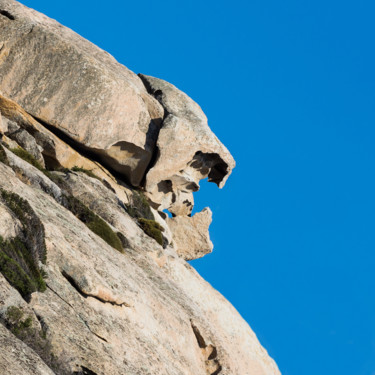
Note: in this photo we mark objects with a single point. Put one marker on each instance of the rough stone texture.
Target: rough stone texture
(56, 153)
(9, 225)
(68, 82)
(190, 234)
(31, 175)
(24, 139)
(17, 358)
(3, 125)
(101, 105)
(173, 321)
(144, 311)
(188, 151)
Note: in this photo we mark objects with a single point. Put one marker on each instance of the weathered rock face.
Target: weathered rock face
(188, 151)
(102, 106)
(66, 81)
(190, 234)
(17, 358)
(9, 225)
(93, 280)
(173, 321)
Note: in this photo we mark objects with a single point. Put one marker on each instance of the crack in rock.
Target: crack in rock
(209, 352)
(6, 14)
(74, 284)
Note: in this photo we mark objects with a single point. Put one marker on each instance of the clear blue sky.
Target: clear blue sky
(288, 86)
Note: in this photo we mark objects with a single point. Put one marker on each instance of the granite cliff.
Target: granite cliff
(93, 272)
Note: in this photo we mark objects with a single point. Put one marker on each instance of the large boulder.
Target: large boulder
(102, 108)
(56, 153)
(77, 88)
(97, 310)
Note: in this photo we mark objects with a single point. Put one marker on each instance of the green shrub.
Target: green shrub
(33, 228)
(23, 154)
(19, 257)
(92, 221)
(139, 207)
(152, 229)
(16, 276)
(19, 268)
(86, 171)
(19, 327)
(23, 328)
(3, 156)
(26, 156)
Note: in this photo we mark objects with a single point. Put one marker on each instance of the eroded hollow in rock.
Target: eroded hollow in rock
(176, 192)
(210, 165)
(209, 352)
(135, 159)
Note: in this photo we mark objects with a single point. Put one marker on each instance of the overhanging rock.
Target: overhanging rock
(188, 151)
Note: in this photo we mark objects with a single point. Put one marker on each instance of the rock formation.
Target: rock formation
(93, 273)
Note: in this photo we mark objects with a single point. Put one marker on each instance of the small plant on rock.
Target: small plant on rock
(19, 256)
(86, 171)
(139, 207)
(92, 221)
(3, 156)
(152, 229)
(25, 155)
(19, 327)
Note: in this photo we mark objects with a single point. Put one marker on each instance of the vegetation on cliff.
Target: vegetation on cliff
(20, 256)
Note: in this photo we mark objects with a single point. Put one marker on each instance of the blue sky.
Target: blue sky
(288, 86)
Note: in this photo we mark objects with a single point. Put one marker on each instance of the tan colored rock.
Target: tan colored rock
(32, 176)
(3, 125)
(56, 152)
(81, 90)
(188, 151)
(23, 139)
(17, 358)
(9, 225)
(191, 237)
(142, 312)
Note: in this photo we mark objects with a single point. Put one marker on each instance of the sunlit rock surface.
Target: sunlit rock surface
(93, 275)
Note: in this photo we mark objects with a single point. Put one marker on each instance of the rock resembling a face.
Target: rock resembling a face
(188, 150)
(104, 108)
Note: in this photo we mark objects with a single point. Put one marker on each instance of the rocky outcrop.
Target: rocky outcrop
(81, 90)
(96, 296)
(103, 107)
(93, 275)
(56, 153)
(188, 151)
(190, 235)
(64, 98)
